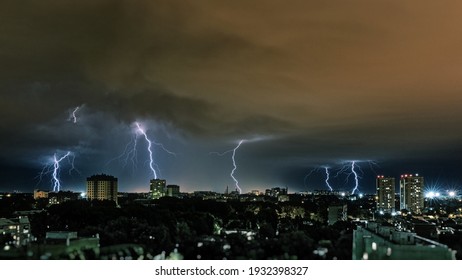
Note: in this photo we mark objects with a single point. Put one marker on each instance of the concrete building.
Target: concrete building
(157, 188)
(336, 213)
(411, 193)
(102, 187)
(173, 191)
(385, 194)
(375, 242)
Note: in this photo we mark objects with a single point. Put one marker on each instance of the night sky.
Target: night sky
(307, 84)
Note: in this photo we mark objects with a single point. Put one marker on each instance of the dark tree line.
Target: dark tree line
(196, 228)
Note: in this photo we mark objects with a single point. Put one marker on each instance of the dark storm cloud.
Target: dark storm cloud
(316, 81)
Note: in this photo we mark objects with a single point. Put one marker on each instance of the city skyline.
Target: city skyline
(309, 87)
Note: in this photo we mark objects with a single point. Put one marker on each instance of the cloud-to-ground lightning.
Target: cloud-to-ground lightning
(317, 169)
(233, 151)
(353, 164)
(56, 182)
(349, 169)
(151, 159)
(73, 114)
(326, 169)
(54, 168)
(130, 151)
(235, 166)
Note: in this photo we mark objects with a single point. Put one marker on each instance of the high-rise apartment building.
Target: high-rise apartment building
(411, 193)
(385, 194)
(157, 188)
(102, 187)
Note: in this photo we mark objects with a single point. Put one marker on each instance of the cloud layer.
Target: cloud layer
(321, 82)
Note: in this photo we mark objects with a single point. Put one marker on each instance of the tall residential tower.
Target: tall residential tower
(102, 187)
(385, 194)
(157, 188)
(411, 193)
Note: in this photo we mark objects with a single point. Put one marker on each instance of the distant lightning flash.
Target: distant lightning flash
(73, 114)
(235, 166)
(327, 178)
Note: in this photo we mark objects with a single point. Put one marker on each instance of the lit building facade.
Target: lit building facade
(385, 194)
(157, 188)
(275, 192)
(18, 229)
(411, 193)
(40, 194)
(102, 187)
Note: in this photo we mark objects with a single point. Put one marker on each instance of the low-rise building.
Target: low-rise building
(18, 229)
(375, 242)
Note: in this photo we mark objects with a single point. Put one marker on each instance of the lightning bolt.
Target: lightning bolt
(151, 160)
(56, 182)
(233, 151)
(73, 116)
(54, 169)
(349, 169)
(130, 151)
(235, 166)
(326, 169)
(356, 177)
(317, 169)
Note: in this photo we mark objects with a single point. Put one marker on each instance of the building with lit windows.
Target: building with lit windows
(276, 192)
(102, 187)
(157, 188)
(411, 193)
(40, 194)
(18, 229)
(385, 194)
